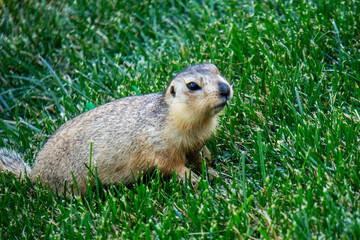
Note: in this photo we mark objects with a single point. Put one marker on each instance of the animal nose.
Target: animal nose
(224, 89)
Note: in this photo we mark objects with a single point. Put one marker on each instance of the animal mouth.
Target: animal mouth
(220, 106)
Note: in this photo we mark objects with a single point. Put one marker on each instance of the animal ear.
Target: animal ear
(172, 91)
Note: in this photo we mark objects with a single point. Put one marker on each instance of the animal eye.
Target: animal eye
(193, 86)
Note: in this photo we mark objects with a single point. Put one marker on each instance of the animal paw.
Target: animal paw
(212, 173)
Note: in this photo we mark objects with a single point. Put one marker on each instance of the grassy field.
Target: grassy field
(288, 144)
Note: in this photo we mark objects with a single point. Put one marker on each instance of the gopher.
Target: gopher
(132, 135)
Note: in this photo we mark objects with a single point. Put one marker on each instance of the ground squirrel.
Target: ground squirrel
(132, 135)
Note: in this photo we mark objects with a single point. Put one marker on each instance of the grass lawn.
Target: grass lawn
(288, 144)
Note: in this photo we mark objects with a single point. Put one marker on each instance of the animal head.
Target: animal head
(199, 92)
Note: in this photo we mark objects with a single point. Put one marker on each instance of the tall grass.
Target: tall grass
(287, 145)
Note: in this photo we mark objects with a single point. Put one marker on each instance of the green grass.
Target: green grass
(288, 144)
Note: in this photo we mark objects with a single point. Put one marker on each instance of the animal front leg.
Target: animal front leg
(186, 174)
(169, 165)
(195, 159)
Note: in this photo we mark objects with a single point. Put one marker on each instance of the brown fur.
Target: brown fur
(135, 134)
(11, 161)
